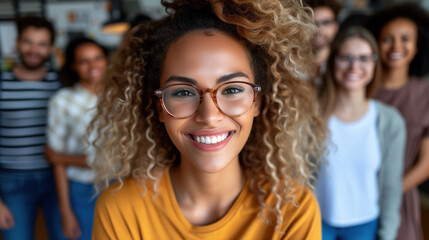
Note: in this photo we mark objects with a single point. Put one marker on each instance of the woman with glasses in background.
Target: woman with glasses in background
(359, 189)
(208, 128)
(71, 110)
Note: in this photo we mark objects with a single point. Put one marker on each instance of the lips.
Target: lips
(395, 56)
(210, 141)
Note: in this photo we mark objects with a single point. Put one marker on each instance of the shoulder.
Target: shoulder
(306, 203)
(119, 193)
(388, 113)
(62, 96)
(7, 76)
(302, 218)
(52, 76)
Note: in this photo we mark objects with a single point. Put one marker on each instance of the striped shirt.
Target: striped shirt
(23, 119)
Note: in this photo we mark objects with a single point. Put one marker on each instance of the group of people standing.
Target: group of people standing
(44, 158)
(376, 104)
(212, 123)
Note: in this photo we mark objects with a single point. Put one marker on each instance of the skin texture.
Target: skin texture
(207, 182)
(352, 103)
(325, 33)
(90, 64)
(34, 47)
(398, 46)
(355, 77)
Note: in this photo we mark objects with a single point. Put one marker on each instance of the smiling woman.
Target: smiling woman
(359, 192)
(208, 127)
(402, 32)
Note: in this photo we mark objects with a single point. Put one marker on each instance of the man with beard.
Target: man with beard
(325, 17)
(26, 178)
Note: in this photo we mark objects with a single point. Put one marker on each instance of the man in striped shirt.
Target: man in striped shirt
(26, 178)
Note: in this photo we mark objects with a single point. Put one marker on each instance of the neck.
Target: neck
(322, 55)
(206, 197)
(395, 78)
(351, 106)
(91, 87)
(25, 74)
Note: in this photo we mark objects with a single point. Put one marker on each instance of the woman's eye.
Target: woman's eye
(232, 90)
(182, 93)
(405, 38)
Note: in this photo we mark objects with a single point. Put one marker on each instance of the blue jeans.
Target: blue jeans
(83, 206)
(365, 231)
(23, 192)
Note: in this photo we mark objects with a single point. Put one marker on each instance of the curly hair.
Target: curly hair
(288, 136)
(419, 66)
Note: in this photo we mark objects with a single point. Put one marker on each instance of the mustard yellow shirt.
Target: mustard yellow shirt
(132, 213)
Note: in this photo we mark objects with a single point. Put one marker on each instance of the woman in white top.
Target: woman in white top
(71, 110)
(359, 190)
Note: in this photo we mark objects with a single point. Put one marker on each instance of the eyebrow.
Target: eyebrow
(219, 80)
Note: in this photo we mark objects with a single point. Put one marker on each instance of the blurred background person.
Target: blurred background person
(26, 179)
(359, 190)
(325, 17)
(70, 111)
(402, 34)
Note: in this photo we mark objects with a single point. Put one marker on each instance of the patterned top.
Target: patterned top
(23, 111)
(70, 113)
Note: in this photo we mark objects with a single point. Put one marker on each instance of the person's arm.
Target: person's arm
(420, 171)
(6, 217)
(69, 222)
(390, 176)
(64, 159)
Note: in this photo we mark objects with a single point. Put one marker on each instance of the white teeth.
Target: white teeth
(396, 55)
(210, 139)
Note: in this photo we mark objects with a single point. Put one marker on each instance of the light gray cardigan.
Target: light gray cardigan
(392, 137)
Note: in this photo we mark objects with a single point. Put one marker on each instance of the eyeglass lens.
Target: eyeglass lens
(345, 61)
(232, 99)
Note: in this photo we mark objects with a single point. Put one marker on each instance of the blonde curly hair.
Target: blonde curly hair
(288, 136)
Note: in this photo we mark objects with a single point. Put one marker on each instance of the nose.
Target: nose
(354, 63)
(208, 113)
(396, 43)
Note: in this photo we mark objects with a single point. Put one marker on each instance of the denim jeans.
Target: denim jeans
(365, 231)
(23, 192)
(83, 206)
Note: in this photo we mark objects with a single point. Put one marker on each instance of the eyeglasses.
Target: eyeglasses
(345, 61)
(325, 22)
(231, 98)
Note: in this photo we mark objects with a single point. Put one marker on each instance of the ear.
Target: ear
(160, 111)
(257, 109)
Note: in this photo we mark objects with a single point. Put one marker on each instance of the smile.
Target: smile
(396, 55)
(212, 139)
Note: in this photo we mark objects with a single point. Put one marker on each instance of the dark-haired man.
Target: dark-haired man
(26, 179)
(325, 17)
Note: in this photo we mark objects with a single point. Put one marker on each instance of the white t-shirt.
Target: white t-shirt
(70, 113)
(347, 189)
